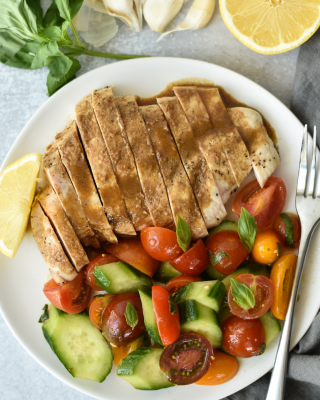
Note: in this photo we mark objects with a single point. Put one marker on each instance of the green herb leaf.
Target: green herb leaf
(24, 58)
(58, 34)
(242, 295)
(68, 9)
(52, 16)
(45, 314)
(216, 258)
(35, 6)
(262, 347)
(247, 228)
(131, 315)
(47, 54)
(183, 234)
(172, 305)
(58, 77)
(289, 230)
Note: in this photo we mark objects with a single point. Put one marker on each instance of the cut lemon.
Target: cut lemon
(17, 188)
(271, 26)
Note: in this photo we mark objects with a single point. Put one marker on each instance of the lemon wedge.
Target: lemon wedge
(271, 26)
(17, 188)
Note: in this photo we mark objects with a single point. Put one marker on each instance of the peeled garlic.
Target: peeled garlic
(159, 13)
(96, 5)
(199, 15)
(129, 11)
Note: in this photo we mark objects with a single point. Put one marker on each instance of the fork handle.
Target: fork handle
(278, 378)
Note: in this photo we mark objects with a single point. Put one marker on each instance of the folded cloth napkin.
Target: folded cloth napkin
(303, 381)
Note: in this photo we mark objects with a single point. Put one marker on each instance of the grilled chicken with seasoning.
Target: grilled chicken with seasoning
(180, 193)
(102, 170)
(74, 160)
(263, 154)
(146, 162)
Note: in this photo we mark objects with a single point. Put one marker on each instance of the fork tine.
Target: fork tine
(313, 182)
(302, 176)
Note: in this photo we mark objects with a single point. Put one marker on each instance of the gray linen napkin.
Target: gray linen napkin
(303, 381)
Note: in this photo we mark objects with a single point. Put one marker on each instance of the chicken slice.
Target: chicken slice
(102, 170)
(146, 162)
(264, 155)
(180, 193)
(60, 181)
(198, 171)
(49, 246)
(51, 206)
(74, 160)
(115, 137)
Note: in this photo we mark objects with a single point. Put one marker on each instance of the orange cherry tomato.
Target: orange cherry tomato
(280, 228)
(264, 204)
(263, 291)
(223, 368)
(168, 321)
(96, 262)
(178, 281)
(97, 307)
(121, 352)
(281, 276)
(160, 243)
(265, 249)
(228, 242)
(72, 297)
(132, 252)
(194, 261)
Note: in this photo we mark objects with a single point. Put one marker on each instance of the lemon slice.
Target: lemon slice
(17, 188)
(271, 26)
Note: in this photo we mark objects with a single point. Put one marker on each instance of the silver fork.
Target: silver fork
(308, 207)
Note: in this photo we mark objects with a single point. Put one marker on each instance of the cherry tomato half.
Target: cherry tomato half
(228, 242)
(132, 252)
(265, 249)
(264, 204)
(97, 307)
(263, 291)
(160, 243)
(187, 359)
(73, 297)
(96, 262)
(194, 261)
(178, 281)
(280, 228)
(243, 338)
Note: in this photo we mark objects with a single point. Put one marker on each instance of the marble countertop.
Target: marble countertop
(22, 92)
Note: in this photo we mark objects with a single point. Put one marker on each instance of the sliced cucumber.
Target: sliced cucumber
(148, 313)
(208, 293)
(197, 318)
(224, 226)
(249, 268)
(119, 277)
(211, 273)
(271, 325)
(165, 272)
(141, 369)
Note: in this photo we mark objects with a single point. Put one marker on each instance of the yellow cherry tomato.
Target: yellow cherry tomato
(266, 247)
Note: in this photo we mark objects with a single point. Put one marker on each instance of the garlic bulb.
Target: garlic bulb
(159, 13)
(129, 11)
(198, 16)
(96, 5)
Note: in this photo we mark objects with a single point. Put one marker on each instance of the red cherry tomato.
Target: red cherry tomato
(178, 281)
(264, 204)
(194, 261)
(168, 321)
(97, 307)
(96, 262)
(280, 228)
(243, 338)
(132, 252)
(160, 243)
(72, 297)
(263, 291)
(228, 242)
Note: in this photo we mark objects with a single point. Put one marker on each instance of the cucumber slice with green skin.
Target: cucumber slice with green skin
(197, 318)
(250, 268)
(148, 313)
(141, 369)
(78, 344)
(211, 273)
(271, 325)
(224, 226)
(165, 272)
(119, 277)
(207, 293)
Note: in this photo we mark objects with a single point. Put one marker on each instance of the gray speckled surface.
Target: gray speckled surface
(23, 92)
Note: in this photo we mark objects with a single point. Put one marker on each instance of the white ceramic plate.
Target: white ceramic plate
(22, 278)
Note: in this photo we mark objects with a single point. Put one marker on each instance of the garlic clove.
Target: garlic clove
(129, 11)
(97, 5)
(159, 13)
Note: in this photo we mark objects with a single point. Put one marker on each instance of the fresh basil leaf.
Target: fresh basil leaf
(45, 314)
(262, 347)
(24, 58)
(35, 6)
(9, 45)
(52, 17)
(247, 229)
(58, 34)
(131, 315)
(172, 305)
(216, 258)
(183, 234)
(47, 54)
(242, 295)
(57, 77)
(289, 230)
(68, 8)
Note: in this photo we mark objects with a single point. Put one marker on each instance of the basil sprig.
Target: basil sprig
(242, 295)
(131, 315)
(289, 230)
(247, 229)
(216, 258)
(183, 234)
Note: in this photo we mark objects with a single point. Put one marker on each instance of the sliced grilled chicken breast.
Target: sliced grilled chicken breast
(146, 162)
(51, 206)
(114, 134)
(180, 193)
(60, 181)
(49, 245)
(263, 154)
(74, 160)
(198, 171)
(102, 170)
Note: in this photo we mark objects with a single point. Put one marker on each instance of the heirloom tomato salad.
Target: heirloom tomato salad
(167, 310)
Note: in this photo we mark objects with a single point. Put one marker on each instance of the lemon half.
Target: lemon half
(17, 188)
(271, 26)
